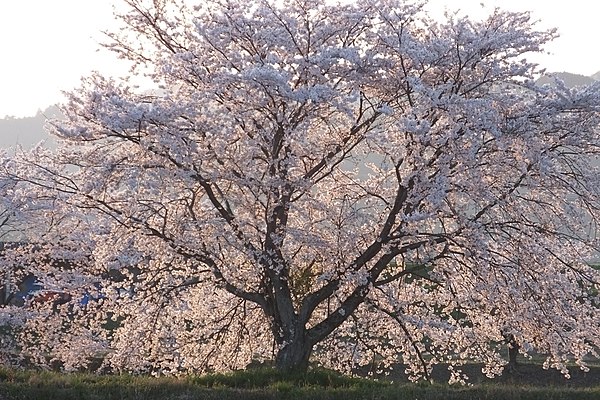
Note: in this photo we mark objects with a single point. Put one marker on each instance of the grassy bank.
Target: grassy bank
(263, 384)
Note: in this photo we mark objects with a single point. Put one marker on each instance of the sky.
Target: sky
(46, 46)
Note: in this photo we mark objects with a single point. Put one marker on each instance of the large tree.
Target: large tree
(337, 183)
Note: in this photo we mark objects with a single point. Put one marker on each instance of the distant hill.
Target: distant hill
(25, 132)
(571, 80)
(29, 131)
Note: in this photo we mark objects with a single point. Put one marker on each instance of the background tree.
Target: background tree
(308, 181)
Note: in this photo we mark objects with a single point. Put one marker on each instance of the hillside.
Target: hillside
(28, 131)
(25, 132)
(571, 80)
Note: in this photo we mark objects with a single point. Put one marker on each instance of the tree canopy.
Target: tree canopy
(315, 182)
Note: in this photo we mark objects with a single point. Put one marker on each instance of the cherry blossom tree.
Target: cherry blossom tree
(340, 184)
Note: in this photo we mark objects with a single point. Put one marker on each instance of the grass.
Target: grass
(261, 384)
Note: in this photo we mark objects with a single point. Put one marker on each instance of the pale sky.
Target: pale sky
(46, 46)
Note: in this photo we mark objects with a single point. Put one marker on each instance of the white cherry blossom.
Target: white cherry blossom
(335, 183)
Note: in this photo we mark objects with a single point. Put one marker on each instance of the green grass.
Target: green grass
(267, 377)
(260, 384)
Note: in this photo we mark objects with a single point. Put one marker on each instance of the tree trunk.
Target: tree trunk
(513, 352)
(294, 356)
